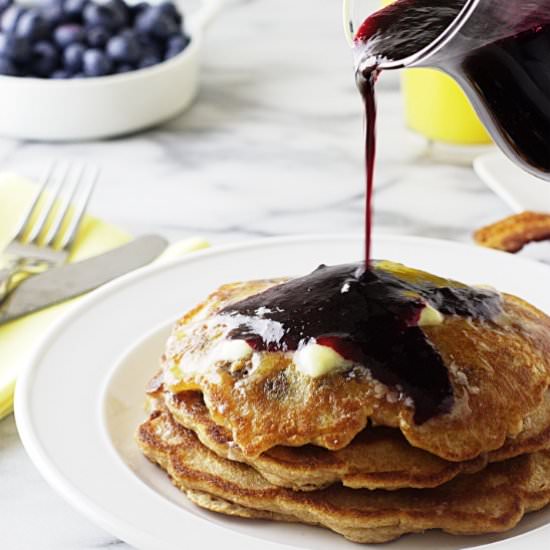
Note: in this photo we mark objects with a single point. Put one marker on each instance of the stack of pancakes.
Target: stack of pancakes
(246, 433)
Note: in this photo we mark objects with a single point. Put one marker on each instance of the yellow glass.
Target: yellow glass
(438, 109)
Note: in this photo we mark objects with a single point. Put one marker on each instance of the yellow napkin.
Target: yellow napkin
(19, 339)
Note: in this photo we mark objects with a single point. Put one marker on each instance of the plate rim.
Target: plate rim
(22, 406)
(494, 170)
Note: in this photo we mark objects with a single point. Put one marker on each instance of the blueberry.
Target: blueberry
(170, 9)
(32, 25)
(98, 36)
(124, 68)
(124, 48)
(149, 61)
(10, 18)
(151, 51)
(60, 74)
(103, 15)
(175, 45)
(72, 57)
(78, 75)
(53, 15)
(156, 23)
(14, 48)
(74, 8)
(45, 59)
(129, 31)
(178, 41)
(5, 4)
(138, 8)
(121, 11)
(96, 63)
(7, 68)
(150, 45)
(68, 33)
(144, 39)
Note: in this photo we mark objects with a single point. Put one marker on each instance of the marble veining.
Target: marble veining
(272, 146)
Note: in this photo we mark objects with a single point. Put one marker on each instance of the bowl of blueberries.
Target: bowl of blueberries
(91, 69)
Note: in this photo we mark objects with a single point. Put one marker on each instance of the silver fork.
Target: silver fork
(62, 201)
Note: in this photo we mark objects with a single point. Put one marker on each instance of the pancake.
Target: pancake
(493, 500)
(377, 458)
(497, 367)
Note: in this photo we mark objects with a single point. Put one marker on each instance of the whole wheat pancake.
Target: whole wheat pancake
(497, 367)
(377, 458)
(493, 500)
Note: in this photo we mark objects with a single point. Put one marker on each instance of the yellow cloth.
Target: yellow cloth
(19, 339)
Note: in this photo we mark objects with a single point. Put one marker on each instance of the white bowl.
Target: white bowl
(107, 106)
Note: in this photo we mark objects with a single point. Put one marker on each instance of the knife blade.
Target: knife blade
(71, 280)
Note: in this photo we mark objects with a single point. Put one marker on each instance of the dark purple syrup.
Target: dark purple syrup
(500, 57)
(404, 28)
(366, 83)
(509, 83)
(369, 317)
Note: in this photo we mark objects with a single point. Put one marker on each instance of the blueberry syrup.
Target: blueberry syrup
(369, 317)
(500, 59)
(366, 83)
(514, 93)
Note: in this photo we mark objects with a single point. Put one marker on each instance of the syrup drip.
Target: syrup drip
(396, 32)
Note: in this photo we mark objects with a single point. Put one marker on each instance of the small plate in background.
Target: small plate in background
(517, 188)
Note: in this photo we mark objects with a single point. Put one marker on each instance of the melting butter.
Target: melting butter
(430, 317)
(178, 373)
(233, 350)
(315, 360)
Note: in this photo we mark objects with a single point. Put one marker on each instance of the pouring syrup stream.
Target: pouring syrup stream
(366, 87)
(386, 35)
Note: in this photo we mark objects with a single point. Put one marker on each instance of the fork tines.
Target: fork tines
(55, 216)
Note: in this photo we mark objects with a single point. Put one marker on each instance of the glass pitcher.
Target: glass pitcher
(498, 51)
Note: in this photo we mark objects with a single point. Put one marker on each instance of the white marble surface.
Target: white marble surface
(272, 146)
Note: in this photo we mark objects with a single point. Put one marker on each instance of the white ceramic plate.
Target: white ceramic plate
(520, 190)
(79, 402)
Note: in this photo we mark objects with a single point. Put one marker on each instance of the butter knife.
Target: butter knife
(71, 280)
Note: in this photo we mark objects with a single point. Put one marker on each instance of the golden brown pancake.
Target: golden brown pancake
(377, 458)
(499, 371)
(493, 500)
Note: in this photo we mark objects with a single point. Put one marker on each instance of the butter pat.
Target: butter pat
(233, 350)
(196, 365)
(315, 360)
(430, 317)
